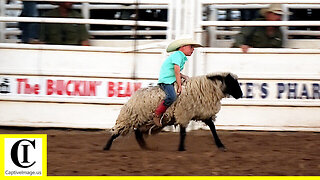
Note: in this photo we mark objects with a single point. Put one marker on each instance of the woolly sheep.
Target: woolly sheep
(199, 100)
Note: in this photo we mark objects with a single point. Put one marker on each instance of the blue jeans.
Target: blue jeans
(29, 30)
(171, 95)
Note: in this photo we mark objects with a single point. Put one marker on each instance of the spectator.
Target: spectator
(30, 31)
(261, 36)
(66, 34)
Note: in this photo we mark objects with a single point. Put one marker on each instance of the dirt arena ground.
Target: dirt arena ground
(79, 152)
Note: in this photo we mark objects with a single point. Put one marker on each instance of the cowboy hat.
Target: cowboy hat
(175, 45)
(274, 8)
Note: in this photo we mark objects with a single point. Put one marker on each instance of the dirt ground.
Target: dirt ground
(79, 152)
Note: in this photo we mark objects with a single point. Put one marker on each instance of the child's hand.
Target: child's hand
(179, 90)
(244, 48)
(185, 77)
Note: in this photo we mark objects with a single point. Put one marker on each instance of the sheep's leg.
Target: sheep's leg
(109, 143)
(140, 139)
(210, 123)
(182, 138)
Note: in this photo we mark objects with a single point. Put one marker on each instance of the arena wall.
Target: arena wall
(85, 87)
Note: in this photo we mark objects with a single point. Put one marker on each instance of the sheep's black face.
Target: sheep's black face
(232, 87)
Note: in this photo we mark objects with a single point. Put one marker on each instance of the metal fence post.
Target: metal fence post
(170, 15)
(86, 13)
(198, 30)
(2, 24)
(286, 28)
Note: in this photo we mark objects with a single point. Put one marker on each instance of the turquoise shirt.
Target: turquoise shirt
(167, 75)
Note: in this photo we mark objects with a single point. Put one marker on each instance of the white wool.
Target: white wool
(199, 100)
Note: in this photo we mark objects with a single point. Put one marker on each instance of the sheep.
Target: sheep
(199, 100)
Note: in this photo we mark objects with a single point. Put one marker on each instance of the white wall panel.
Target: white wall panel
(262, 65)
(58, 115)
(80, 63)
(281, 87)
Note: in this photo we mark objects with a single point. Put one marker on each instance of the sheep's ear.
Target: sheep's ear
(216, 77)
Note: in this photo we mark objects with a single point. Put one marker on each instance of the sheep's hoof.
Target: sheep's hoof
(146, 148)
(181, 149)
(106, 149)
(223, 149)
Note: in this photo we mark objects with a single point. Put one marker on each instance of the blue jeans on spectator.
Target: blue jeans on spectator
(171, 95)
(30, 31)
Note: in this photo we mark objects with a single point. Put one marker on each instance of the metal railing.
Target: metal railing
(216, 5)
(185, 17)
(86, 7)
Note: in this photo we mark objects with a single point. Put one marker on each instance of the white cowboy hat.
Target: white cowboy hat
(274, 8)
(175, 45)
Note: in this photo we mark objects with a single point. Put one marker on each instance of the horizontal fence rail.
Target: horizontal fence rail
(83, 21)
(121, 33)
(261, 50)
(202, 1)
(260, 2)
(159, 24)
(83, 48)
(91, 6)
(259, 6)
(260, 23)
(16, 31)
(110, 1)
(289, 32)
